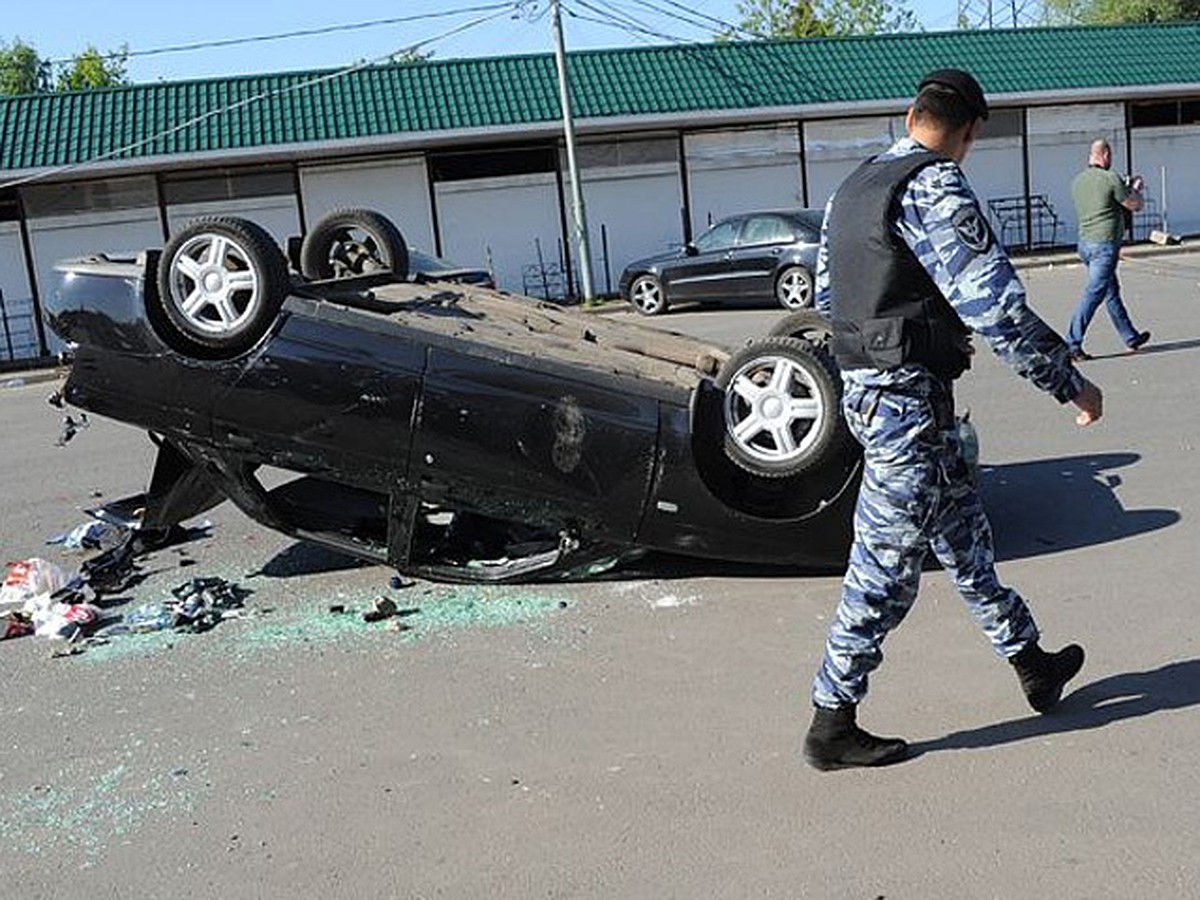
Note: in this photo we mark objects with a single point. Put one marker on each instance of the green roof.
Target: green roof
(243, 114)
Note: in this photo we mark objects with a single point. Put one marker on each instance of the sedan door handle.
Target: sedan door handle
(776, 251)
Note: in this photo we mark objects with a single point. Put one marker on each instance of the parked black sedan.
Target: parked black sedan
(755, 256)
(450, 430)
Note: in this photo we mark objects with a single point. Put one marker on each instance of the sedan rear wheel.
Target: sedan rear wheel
(808, 325)
(221, 281)
(780, 407)
(646, 295)
(350, 242)
(794, 288)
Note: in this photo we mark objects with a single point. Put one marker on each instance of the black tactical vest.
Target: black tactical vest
(887, 311)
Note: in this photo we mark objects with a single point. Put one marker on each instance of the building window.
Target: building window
(104, 195)
(10, 206)
(227, 185)
(491, 163)
(1165, 112)
(610, 154)
(1004, 123)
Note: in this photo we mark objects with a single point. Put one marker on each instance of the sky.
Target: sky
(58, 29)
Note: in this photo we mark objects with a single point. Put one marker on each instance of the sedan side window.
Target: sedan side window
(719, 237)
(767, 230)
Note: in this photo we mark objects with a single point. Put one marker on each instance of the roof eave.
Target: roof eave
(538, 131)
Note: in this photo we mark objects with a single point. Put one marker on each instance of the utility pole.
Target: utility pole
(578, 218)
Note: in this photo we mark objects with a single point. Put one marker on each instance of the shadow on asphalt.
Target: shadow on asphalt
(1038, 507)
(1151, 349)
(1049, 505)
(1112, 699)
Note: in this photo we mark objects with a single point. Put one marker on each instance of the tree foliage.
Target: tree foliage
(1118, 12)
(824, 18)
(93, 69)
(23, 71)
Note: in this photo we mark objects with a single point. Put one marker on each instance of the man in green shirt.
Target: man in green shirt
(1101, 200)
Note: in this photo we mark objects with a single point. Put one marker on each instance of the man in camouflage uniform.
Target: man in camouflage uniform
(908, 269)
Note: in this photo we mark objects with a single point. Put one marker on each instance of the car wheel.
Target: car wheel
(647, 296)
(794, 288)
(807, 325)
(221, 282)
(349, 242)
(780, 407)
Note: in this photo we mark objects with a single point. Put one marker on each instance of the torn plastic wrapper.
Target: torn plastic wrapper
(30, 578)
(67, 620)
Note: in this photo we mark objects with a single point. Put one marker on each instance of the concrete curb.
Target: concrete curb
(30, 376)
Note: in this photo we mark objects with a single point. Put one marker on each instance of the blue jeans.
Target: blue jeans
(1100, 257)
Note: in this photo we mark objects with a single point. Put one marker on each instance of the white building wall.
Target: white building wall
(398, 188)
(995, 169)
(739, 170)
(1059, 137)
(279, 215)
(833, 148)
(56, 238)
(1165, 157)
(18, 330)
(640, 208)
(498, 223)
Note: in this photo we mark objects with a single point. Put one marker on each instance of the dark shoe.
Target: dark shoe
(834, 741)
(1140, 341)
(1078, 354)
(1044, 675)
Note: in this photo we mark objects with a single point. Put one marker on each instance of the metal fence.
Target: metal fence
(18, 330)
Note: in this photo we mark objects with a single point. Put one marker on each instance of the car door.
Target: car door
(704, 274)
(763, 242)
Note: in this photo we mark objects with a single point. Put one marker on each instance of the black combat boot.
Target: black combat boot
(834, 741)
(1044, 675)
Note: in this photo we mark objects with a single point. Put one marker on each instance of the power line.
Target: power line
(258, 98)
(680, 11)
(307, 32)
(625, 23)
(619, 15)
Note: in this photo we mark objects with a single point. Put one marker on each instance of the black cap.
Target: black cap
(963, 84)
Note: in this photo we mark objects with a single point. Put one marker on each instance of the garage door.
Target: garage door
(1059, 137)
(398, 188)
(1166, 140)
(739, 171)
(510, 224)
(56, 238)
(834, 148)
(265, 196)
(633, 195)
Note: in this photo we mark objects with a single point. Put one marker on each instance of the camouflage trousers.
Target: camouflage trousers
(916, 496)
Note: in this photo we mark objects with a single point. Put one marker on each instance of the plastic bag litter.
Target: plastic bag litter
(92, 535)
(146, 618)
(30, 578)
(14, 625)
(66, 620)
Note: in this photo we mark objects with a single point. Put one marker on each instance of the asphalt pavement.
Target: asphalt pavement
(635, 736)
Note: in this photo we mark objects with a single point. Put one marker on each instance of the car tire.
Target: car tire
(647, 295)
(781, 407)
(794, 288)
(807, 325)
(350, 242)
(221, 282)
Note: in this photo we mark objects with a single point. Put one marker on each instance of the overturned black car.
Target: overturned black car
(450, 430)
